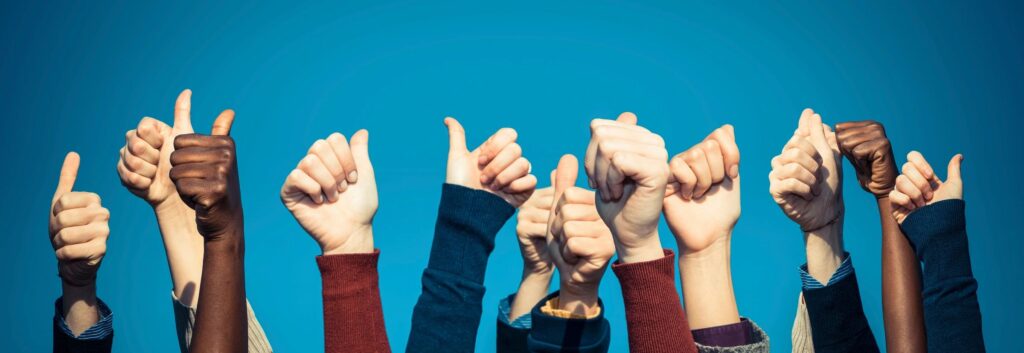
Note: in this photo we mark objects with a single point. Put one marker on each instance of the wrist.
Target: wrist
(75, 296)
(538, 275)
(230, 243)
(360, 241)
(825, 251)
(578, 298)
(648, 249)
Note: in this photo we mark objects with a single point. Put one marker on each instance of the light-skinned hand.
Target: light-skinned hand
(578, 240)
(78, 228)
(627, 164)
(497, 165)
(332, 193)
(918, 186)
(532, 228)
(806, 179)
(702, 203)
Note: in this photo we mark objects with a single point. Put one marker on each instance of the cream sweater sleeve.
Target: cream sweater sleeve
(185, 320)
(802, 342)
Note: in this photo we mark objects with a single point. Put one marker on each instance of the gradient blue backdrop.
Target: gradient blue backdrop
(944, 78)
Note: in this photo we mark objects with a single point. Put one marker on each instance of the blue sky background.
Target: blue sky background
(944, 78)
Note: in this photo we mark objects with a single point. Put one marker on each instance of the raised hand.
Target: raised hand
(702, 203)
(497, 165)
(864, 143)
(578, 241)
(806, 179)
(918, 186)
(627, 164)
(532, 228)
(144, 164)
(205, 172)
(332, 193)
(78, 228)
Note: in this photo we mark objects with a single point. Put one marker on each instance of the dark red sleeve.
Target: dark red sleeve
(654, 313)
(353, 318)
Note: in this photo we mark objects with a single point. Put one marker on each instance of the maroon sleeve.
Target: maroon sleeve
(353, 318)
(654, 313)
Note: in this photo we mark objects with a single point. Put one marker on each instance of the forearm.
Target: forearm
(707, 286)
(221, 321)
(825, 251)
(532, 289)
(80, 308)
(353, 316)
(184, 248)
(901, 287)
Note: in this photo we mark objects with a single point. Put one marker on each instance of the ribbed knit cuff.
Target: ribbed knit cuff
(938, 233)
(467, 222)
(731, 335)
(654, 315)
(339, 272)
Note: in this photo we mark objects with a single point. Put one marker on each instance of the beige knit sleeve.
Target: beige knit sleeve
(185, 320)
(802, 342)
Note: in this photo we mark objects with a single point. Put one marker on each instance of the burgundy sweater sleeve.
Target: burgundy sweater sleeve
(353, 318)
(654, 314)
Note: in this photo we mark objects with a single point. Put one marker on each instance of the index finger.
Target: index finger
(496, 143)
(726, 138)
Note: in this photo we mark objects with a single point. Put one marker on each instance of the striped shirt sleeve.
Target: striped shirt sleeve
(844, 270)
(99, 331)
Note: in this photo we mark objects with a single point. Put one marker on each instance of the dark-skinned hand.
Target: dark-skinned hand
(205, 172)
(864, 143)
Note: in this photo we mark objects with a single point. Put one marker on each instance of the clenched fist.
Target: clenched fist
(333, 194)
(205, 172)
(806, 179)
(865, 145)
(78, 228)
(702, 203)
(918, 186)
(532, 228)
(144, 164)
(627, 164)
(578, 241)
(497, 166)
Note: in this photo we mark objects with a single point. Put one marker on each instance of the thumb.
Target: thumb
(628, 118)
(183, 112)
(68, 174)
(953, 172)
(222, 126)
(456, 135)
(360, 145)
(565, 175)
(553, 173)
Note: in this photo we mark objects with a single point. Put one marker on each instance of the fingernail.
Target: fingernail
(734, 171)
(484, 179)
(482, 159)
(353, 176)
(319, 199)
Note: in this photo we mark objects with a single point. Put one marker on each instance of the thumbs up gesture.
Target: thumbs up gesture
(204, 170)
(702, 203)
(144, 164)
(918, 186)
(627, 164)
(806, 179)
(578, 241)
(497, 165)
(332, 193)
(78, 228)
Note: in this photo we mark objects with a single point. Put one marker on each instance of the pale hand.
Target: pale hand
(497, 166)
(918, 186)
(806, 179)
(78, 228)
(332, 193)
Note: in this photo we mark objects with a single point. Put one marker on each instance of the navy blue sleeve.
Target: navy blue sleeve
(512, 335)
(938, 233)
(97, 339)
(837, 318)
(447, 314)
(557, 335)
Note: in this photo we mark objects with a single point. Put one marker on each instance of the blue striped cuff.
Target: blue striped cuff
(100, 330)
(505, 308)
(844, 270)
